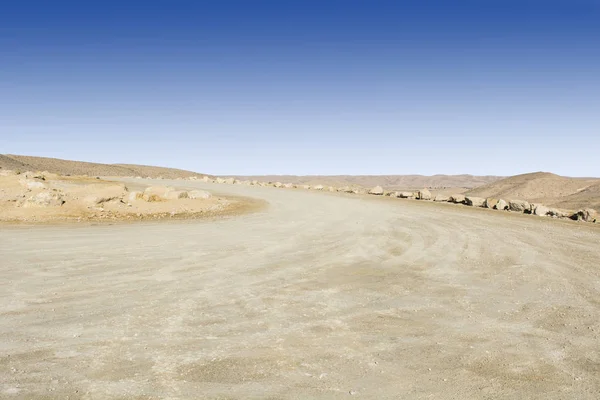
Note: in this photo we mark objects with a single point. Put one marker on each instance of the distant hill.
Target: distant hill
(390, 182)
(67, 167)
(546, 188)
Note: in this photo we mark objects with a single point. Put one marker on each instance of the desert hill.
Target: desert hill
(544, 187)
(67, 167)
(391, 182)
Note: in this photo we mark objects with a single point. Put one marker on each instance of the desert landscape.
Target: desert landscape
(146, 287)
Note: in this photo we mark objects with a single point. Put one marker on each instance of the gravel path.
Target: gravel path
(317, 296)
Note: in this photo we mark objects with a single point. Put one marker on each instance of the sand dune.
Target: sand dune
(68, 167)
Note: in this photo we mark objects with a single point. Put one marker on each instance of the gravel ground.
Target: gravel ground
(317, 295)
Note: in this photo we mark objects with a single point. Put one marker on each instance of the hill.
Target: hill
(390, 182)
(546, 188)
(67, 167)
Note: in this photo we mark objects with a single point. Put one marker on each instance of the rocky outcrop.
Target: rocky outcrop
(474, 201)
(377, 190)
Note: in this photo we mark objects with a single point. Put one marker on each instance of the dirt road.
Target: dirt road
(317, 296)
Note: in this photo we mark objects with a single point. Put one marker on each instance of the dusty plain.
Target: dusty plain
(317, 295)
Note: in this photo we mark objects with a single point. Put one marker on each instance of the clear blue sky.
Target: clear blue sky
(305, 87)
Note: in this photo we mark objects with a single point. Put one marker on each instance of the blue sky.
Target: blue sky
(305, 87)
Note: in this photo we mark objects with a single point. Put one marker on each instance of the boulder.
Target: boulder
(288, 186)
(133, 196)
(219, 180)
(229, 181)
(254, 183)
(278, 184)
(474, 201)
(206, 179)
(156, 193)
(587, 215)
(199, 194)
(501, 205)
(44, 199)
(540, 210)
(318, 187)
(305, 186)
(345, 189)
(424, 194)
(457, 199)
(377, 190)
(101, 194)
(491, 203)
(519, 206)
(331, 189)
(32, 184)
(440, 198)
(177, 194)
(406, 195)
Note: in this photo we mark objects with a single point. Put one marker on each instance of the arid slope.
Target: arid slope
(543, 187)
(68, 167)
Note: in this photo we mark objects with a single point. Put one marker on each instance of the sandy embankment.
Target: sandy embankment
(45, 197)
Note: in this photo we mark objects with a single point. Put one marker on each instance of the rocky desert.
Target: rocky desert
(195, 286)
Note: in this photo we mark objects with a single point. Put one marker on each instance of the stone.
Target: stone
(457, 199)
(229, 181)
(540, 210)
(318, 187)
(377, 191)
(278, 184)
(306, 187)
(474, 201)
(32, 184)
(44, 199)
(406, 195)
(441, 198)
(177, 194)
(587, 215)
(519, 206)
(133, 196)
(288, 186)
(424, 194)
(156, 193)
(501, 205)
(491, 203)
(105, 193)
(219, 180)
(199, 194)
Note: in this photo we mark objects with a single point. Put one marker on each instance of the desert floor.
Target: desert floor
(316, 296)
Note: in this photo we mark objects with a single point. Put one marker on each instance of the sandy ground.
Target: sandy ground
(317, 296)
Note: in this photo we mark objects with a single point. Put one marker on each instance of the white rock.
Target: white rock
(44, 199)
(177, 194)
(540, 210)
(587, 215)
(199, 194)
(424, 194)
(501, 205)
(406, 195)
(318, 187)
(441, 198)
(377, 190)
